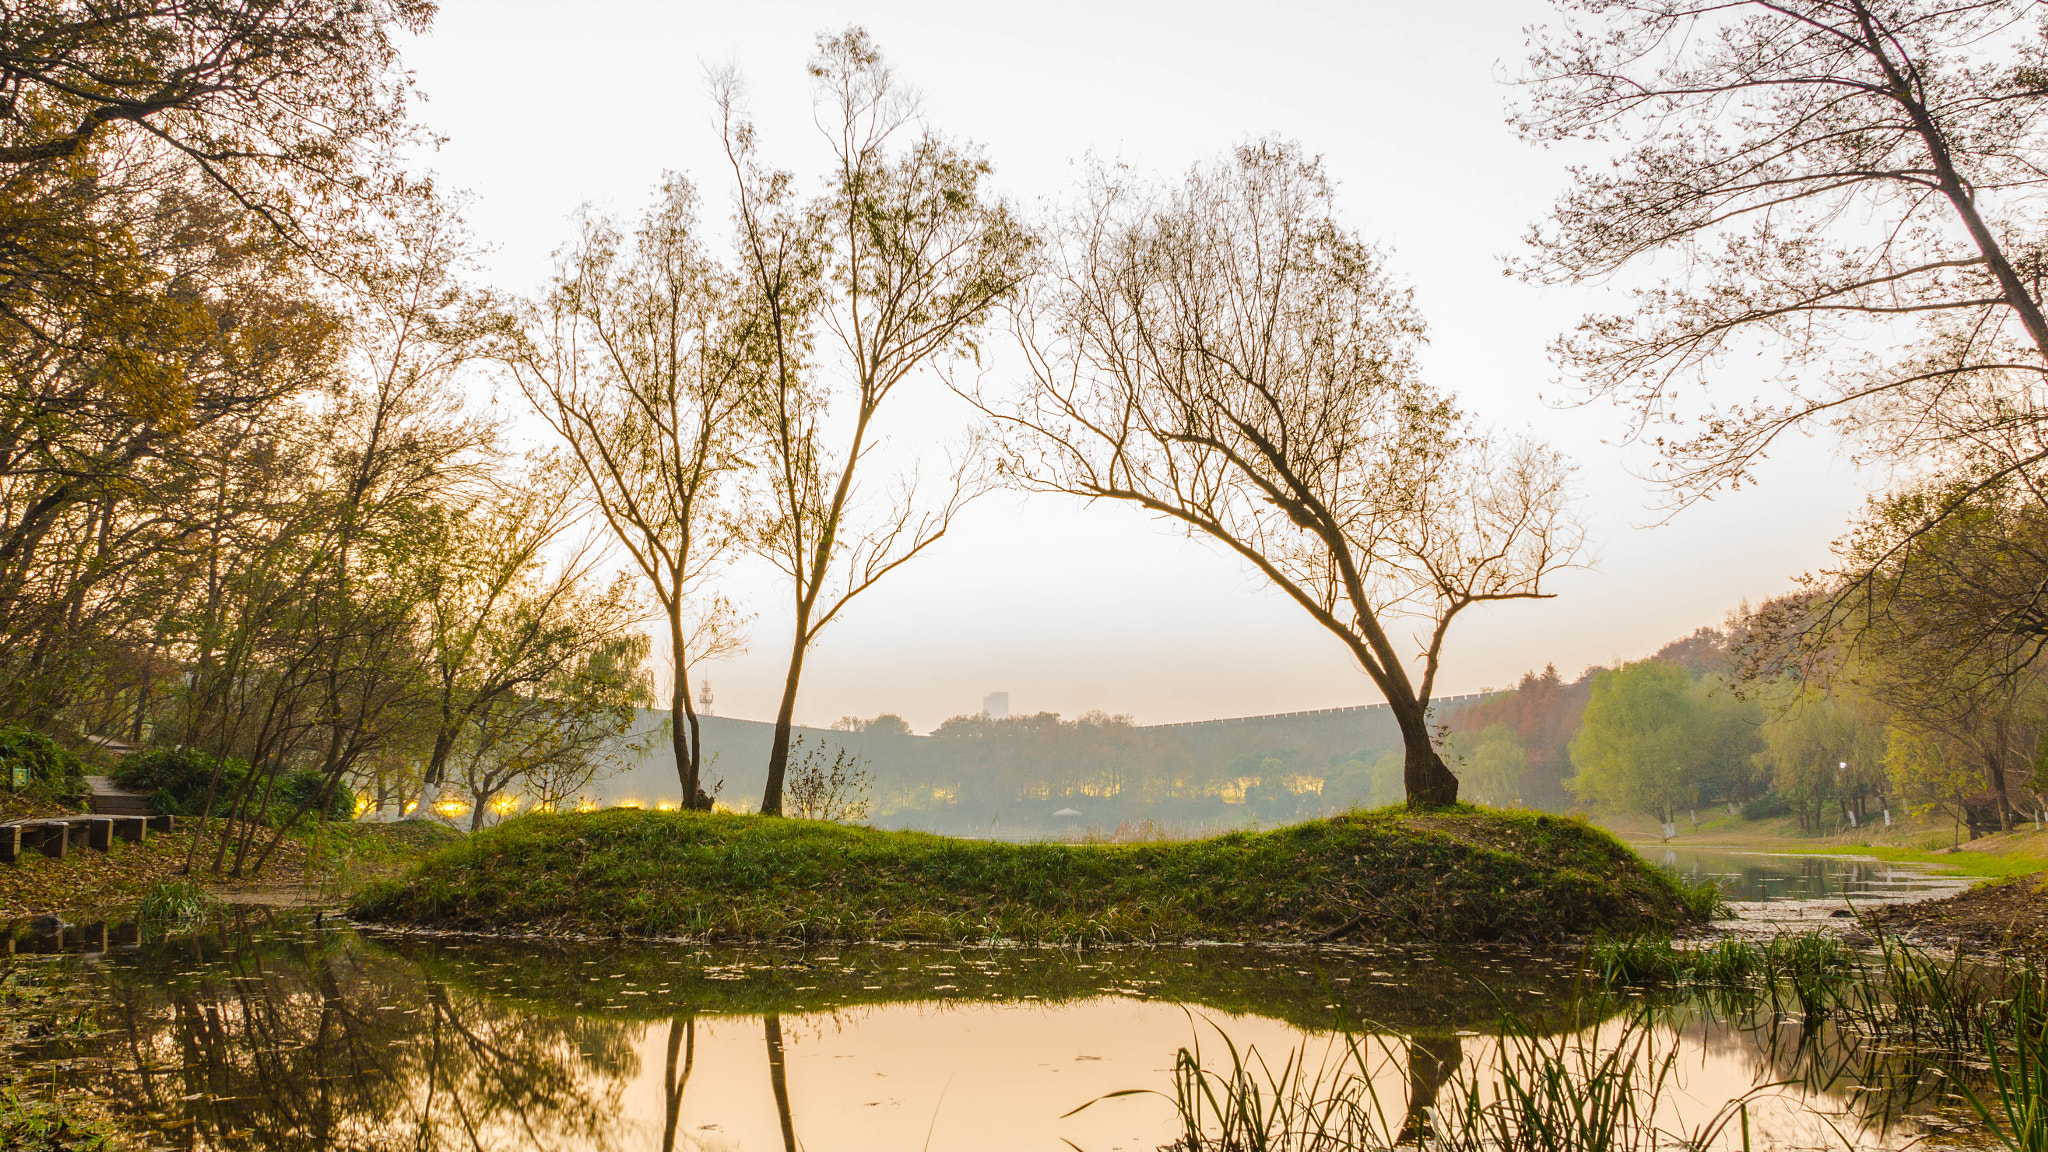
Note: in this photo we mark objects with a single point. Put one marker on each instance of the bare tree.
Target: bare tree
(900, 263)
(1848, 188)
(630, 361)
(1226, 355)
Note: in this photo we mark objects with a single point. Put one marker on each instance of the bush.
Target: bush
(175, 781)
(1767, 806)
(47, 763)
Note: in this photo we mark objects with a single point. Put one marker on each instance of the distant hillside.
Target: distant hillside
(1009, 777)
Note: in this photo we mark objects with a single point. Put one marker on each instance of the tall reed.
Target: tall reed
(1597, 1089)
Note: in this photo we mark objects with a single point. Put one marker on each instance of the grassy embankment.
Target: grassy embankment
(1386, 874)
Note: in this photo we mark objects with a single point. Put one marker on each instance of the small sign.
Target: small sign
(17, 776)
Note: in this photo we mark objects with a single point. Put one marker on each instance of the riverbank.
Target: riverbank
(1908, 841)
(314, 863)
(1468, 875)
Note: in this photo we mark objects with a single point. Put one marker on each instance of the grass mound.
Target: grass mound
(1383, 875)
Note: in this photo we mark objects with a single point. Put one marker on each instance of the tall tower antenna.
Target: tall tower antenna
(704, 697)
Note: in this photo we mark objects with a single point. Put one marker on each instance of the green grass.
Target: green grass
(31, 1123)
(1982, 864)
(1465, 875)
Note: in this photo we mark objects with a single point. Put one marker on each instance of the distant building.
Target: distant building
(996, 705)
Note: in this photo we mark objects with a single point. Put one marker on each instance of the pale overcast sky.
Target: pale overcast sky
(548, 105)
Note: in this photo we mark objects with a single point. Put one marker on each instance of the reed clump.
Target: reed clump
(1591, 1090)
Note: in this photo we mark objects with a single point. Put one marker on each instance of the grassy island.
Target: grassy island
(1463, 875)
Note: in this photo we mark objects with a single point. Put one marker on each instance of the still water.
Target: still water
(1758, 876)
(266, 1030)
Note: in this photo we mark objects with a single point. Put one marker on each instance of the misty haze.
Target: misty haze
(865, 576)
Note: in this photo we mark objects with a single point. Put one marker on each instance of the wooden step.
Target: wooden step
(108, 800)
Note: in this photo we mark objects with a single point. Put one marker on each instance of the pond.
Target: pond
(1762, 876)
(273, 1030)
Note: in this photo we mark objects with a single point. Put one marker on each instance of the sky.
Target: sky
(548, 106)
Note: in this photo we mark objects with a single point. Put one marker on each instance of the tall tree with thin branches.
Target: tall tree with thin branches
(631, 360)
(897, 266)
(1227, 356)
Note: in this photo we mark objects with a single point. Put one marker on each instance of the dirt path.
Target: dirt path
(2008, 916)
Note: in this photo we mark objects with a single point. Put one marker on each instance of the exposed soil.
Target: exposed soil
(2011, 916)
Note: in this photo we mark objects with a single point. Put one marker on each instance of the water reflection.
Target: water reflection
(272, 1034)
(1757, 876)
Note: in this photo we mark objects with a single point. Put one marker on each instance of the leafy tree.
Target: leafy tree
(1493, 766)
(1634, 745)
(551, 741)
(1542, 712)
(1654, 740)
(1932, 618)
(886, 724)
(1226, 355)
(1821, 747)
(1927, 774)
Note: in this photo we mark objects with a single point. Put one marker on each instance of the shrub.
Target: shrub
(1767, 806)
(47, 763)
(175, 781)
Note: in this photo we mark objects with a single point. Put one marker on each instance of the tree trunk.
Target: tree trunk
(1428, 783)
(778, 752)
(437, 761)
(1432, 1061)
(680, 721)
(1996, 767)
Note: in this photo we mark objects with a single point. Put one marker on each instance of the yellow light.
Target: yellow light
(627, 804)
(667, 806)
(585, 804)
(410, 805)
(544, 806)
(505, 805)
(362, 805)
(451, 808)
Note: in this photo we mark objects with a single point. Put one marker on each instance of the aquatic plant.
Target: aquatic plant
(2018, 1058)
(1588, 1090)
(1635, 960)
(1641, 960)
(175, 902)
(1703, 895)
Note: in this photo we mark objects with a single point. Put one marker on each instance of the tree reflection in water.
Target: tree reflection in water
(778, 1079)
(318, 1042)
(682, 1035)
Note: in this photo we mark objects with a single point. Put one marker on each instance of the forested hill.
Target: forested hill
(1513, 748)
(1008, 777)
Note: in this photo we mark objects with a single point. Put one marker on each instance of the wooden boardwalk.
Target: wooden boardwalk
(108, 800)
(116, 815)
